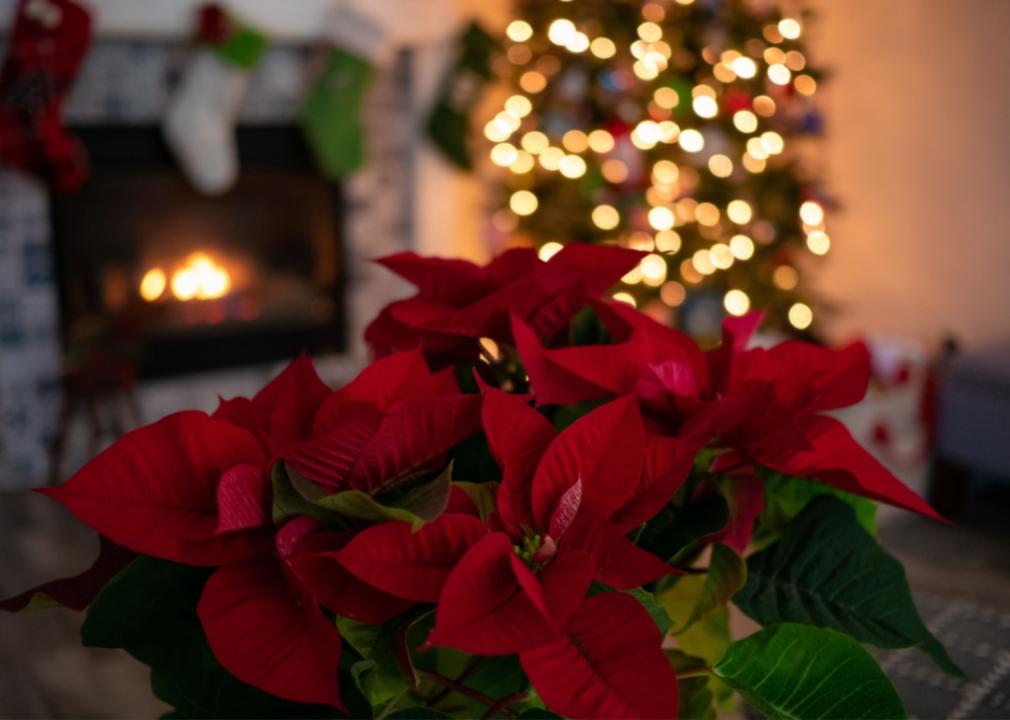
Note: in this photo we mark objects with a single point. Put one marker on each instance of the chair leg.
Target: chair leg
(949, 487)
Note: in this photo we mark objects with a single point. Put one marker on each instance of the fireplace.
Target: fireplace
(181, 282)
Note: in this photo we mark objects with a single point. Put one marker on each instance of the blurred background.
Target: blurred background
(191, 193)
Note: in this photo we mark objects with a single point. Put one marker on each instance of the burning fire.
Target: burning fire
(199, 278)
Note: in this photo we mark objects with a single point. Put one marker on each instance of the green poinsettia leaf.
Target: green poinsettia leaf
(484, 496)
(827, 571)
(677, 533)
(696, 699)
(416, 507)
(290, 501)
(785, 497)
(726, 575)
(384, 673)
(656, 611)
(416, 713)
(149, 610)
(799, 671)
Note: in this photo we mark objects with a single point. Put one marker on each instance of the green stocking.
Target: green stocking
(449, 122)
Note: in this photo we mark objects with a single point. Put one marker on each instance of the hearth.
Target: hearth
(178, 282)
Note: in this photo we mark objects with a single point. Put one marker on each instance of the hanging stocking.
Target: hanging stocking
(48, 42)
(449, 123)
(331, 115)
(200, 121)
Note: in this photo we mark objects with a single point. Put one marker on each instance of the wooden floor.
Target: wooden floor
(957, 572)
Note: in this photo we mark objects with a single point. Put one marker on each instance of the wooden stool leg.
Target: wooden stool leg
(949, 487)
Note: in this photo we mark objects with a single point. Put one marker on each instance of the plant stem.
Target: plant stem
(502, 705)
(457, 687)
(695, 672)
(467, 672)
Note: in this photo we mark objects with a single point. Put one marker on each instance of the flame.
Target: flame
(199, 278)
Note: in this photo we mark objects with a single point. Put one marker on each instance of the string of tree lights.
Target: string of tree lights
(671, 126)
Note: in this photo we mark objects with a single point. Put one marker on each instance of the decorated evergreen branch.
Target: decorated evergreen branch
(534, 503)
(674, 127)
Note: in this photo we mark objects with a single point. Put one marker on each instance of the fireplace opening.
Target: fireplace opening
(175, 282)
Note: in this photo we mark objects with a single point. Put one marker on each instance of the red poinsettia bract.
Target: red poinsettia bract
(195, 489)
(765, 405)
(458, 302)
(517, 583)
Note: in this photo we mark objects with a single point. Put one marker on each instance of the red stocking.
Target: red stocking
(48, 41)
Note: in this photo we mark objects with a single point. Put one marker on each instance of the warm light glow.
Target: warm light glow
(606, 217)
(153, 284)
(646, 134)
(668, 241)
(785, 277)
(744, 67)
(603, 48)
(742, 247)
(653, 11)
(640, 241)
(535, 142)
(523, 202)
(645, 70)
(745, 121)
(801, 316)
(626, 298)
(666, 97)
(753, 164)
(532, 81)
(756, 149)
(721, 256)
(550, 158)
(519, 31)
(673, 294)
(691, 141)
(518, 105)
(702, 261)
(504, 154)
(601, 141)
(789, 28)
(736, 302)
(818, 242)
(653, 270)
(666, 172)
(764, 106)
(201, 278)
(811, 213)
(669, 131)
(707, 214)
(720, 166)
(633, 276)
(772, 142)
(523, 163)
(739, 211)
(572, 166)
(795, 60)
(614, 171)
(689, 273)
(650, 32)
(561, 31)
(705, 106)
(805, 85)
(779, 74)
(549, 250)
(496, 132)
(661, 218)
(575, 141)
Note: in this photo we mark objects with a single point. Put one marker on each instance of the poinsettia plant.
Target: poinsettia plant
(535, 502)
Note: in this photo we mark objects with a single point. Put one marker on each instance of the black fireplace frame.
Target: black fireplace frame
(275, 146)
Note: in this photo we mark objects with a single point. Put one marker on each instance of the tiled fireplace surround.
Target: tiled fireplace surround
(129, 82)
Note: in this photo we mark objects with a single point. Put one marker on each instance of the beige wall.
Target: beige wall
(918, 151)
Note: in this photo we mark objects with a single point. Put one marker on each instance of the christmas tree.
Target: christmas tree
(671, 126)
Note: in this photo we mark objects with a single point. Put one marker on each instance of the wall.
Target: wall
(918, 151)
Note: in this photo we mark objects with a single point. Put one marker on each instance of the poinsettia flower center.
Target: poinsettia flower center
(530, 547)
